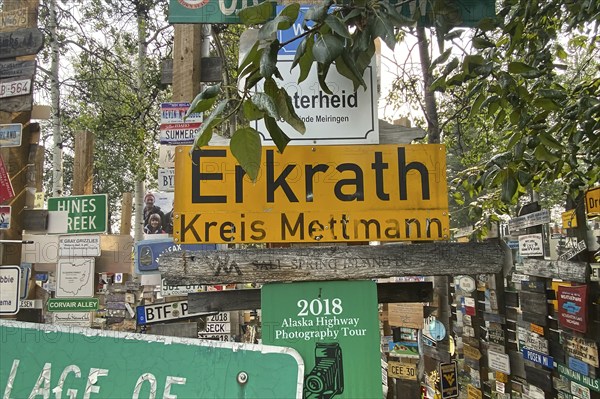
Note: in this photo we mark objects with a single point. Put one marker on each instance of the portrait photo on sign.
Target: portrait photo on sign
(158, 214)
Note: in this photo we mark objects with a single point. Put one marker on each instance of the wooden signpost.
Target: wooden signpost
(20, 42)
(330, 263)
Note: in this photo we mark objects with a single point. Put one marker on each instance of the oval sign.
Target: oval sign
(467, 283)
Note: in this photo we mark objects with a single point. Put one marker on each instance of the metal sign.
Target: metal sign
(592, 202)
(16, 86)
(147, 252)
(5, 217)
(6, 189)
(72, 305)
(402, 370)
(175, 112)
(178, 133)
(177, 290)
(361, 193)
(529, 220)
(569, 219)
(449, 380)
(538, 358)
(166, 179)
(11, 68)
(75, 278)
(113, 364)
(209, 11)
(87, 213)
(592, 383)
(10, 282)
(344, 117)
(79, 246)
(335, 330)
(11, 134)
(162, 312)
(499, 361)
(572, 307)
(531, 245)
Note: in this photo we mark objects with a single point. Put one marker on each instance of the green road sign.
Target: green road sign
(87, 213)
(72, 305)
(335, 328)
(209, 11)
(47, 361)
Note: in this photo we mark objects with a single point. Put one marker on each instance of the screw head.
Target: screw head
(242, 377)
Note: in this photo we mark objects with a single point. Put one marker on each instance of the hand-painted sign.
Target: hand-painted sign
(10, 282)
(87, 213)
(592, 202)
(210, 11)
(147, 252)
(5, 217)
(14, 19)
(10, 135)
(572, 307)
(580, 348)
(21, 42)
(335, 330)
(112, 364)
(385, 193)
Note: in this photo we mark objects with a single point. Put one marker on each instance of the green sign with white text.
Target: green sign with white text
(55, 361)
(72, 305)
(334, 326)
(87, 213)
(210, 11)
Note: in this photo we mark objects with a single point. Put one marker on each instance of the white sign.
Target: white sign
(174, 113)
(78, 319)
(75, 278)
(10, 280)
(166, 179)
(162, 312)
(531, 245)
(580, 391)
(499, 362)
(79, 246)
(14, 88)
(595, 274)
(467, 283)
(175, 290)
(178, 133)
(536, 343)
(580, 247)
(518, 277)
(31, 304)
(529, 220)
(166, 156)
(343, 117)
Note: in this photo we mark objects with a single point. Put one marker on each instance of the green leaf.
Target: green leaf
(279, 137)
(541, 153)
(327, 48)
(246, 148)
(266, 104)
(204, 100)
(520, 68)
(317, 13)
(450, 66)
(547, 104)
(288, 112)
(322, 70)
(477, 104)
(383, 28)
(252, 57)
(549, 141)
(258, 14)
(346, 67)
(509, 188)
(268, 61)
(283, 21)
(337, 26)
(455, 34)
(306, 59)
(442, 58)
(251, 111)
(481, 43)
(204, 134)
(561, 53)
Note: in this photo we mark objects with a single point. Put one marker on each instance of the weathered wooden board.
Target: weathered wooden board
(534, 307)
(332, 263)
(17, 68)
(17, 104)
(539, 377)
(564, 270)
(19, 42)
(250, 298)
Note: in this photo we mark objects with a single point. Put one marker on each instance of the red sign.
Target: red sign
(6, 188)
(572, 307)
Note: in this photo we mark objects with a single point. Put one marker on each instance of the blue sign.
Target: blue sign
(538, 358)
(147, 252)
(289, 34)
(579, 366)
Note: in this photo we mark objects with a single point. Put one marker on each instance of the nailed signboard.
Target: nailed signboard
(6, 189)
(499, 361)
(531, 245)
(406, 315)
(87, 213)
(580, 348)
(572, 307)
(72, 304)
(449, 380)
(166, 179)
(147, 252)
(569, 271)
(569, 219)
(592, 202)
(538, 358)
(386, 193)
(178, 133)
(20, 42)
(11, 68)
(529, 220)
(112, 364)
(162, 312)
(80, 246)
(10, 279)
(75, 278)
(402, 370)
(13, 87)
(5, 217)
(175, 112)
(592, 383)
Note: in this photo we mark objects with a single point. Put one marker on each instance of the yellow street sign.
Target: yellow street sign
(592, 202)
(569, 219)
(313, 194)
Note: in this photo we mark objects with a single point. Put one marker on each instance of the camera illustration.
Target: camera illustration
(326, 379)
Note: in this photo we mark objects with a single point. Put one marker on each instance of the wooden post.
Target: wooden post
(16, 158)
(83, 164)
(126, 212)
(186, 62)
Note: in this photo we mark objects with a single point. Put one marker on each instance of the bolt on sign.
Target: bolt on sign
(78, 362)
(87, 213)
(313, 194)
(335, 330)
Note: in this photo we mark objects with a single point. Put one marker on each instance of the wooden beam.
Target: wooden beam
(83, 164)
(223, 301)
(126, 213)
(269, 265)
(186, 62)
